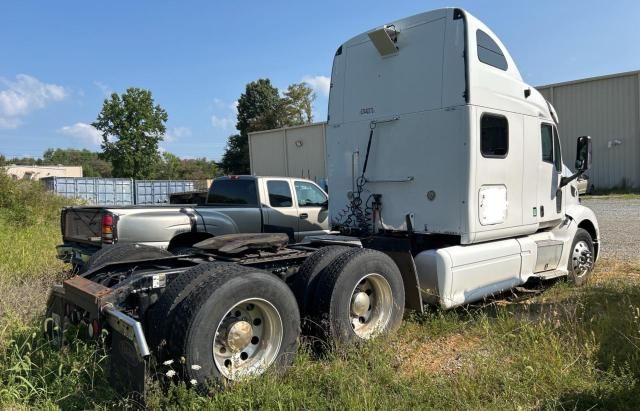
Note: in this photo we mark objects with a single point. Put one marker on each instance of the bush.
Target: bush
(26, 203)
(29, 229)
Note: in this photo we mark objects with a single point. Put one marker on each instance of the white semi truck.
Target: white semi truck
(447, 186)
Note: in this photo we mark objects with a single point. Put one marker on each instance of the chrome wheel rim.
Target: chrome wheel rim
(247, 339)
(370, 306)
(581, 259)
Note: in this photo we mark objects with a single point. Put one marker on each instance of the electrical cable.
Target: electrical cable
(356, 220)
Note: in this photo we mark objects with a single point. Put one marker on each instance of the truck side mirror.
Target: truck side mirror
(583, 154)
(583, 159)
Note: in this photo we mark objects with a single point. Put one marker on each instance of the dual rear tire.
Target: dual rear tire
(228, 323)
(351, 295)
(224, 321)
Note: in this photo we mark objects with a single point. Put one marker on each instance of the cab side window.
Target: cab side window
(547, 143)
(494, 136)
(279, 193)
(551, 152)
(309, 195)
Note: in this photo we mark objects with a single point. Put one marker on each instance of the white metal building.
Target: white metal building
(290, 151)
(38, 172)
(607, 108)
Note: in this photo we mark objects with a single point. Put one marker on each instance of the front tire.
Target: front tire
(581, 258)
(237, 324)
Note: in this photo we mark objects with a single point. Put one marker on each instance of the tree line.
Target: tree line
(133, 126)
(169, 167)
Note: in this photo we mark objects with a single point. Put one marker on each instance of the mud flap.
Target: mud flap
(128, 372)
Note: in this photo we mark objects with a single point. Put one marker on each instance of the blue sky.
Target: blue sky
(59, 59)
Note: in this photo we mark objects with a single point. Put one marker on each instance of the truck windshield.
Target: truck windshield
(236, 192)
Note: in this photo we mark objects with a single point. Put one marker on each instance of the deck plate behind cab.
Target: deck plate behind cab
(237, 243)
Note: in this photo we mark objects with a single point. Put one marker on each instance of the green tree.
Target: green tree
(298, 102)
(25, 161)
(260, 107)
(235, 159)
(92, 164)
(132, 128)
(170, 167)
(175, 168)
(197, 169)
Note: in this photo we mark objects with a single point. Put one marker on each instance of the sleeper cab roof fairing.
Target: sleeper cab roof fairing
(384, 39)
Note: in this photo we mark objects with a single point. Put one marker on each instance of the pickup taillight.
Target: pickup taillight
(107, 228)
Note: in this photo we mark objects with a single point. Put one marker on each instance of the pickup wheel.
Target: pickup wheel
(234, 325)
(581, 255)
(305, 281)
(123, 252)
(359, 296)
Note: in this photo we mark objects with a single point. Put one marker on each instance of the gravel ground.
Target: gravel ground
(619, 221)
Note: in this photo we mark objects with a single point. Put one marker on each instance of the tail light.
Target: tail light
(107, 228)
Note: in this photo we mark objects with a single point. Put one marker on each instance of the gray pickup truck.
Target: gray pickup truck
(235, 204)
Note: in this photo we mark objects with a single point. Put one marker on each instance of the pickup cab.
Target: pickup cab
(235, 204)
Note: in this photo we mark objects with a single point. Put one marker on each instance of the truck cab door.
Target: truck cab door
(550, 207)
(281, 213)
(312, 209)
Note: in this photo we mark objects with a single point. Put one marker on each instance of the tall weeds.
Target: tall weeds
(29, 230)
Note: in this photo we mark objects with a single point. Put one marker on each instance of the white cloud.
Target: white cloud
(225, 118)
(223, 105)
(223, 122)
(218, 103)
(319, 84)
(176, 133)
(24, 95)
(9, 122)
(84, 132)
(105, 89)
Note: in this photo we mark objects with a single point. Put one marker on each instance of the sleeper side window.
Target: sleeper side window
(494, 136)
(279, 193)
(546, 133)
(489, 52)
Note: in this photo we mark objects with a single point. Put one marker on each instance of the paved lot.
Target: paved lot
(619, 221)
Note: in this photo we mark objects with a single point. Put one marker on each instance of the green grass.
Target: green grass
(29, 230)
(563, 349)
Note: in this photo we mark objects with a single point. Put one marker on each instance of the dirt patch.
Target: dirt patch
(23, 301)
(443, 355)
